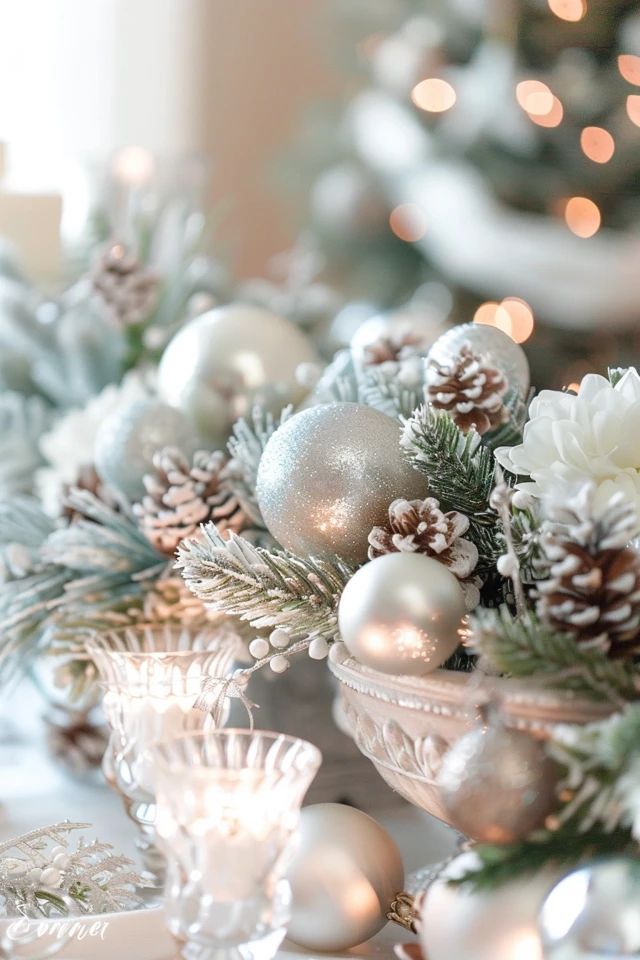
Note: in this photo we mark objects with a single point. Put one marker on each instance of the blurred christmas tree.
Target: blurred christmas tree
(492, 145)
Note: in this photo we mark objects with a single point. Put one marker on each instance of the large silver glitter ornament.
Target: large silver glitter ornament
(328, 475)
(219, 365)
(594, 912)
(127, 440)
(344, 875)
(504, 352)
(496, 784)
(402, 614)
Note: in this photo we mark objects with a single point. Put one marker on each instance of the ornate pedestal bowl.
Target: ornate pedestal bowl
(404, 725)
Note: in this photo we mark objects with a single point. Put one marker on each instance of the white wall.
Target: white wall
(79, 78)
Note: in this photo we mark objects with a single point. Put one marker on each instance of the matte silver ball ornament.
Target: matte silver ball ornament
(402, 614)
(594, 912)
(344, 875)
(328, 475)
(127, 440)
(496, 784)
(504, 352)
(219, 365)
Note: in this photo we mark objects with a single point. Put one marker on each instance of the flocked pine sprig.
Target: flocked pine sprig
(525, 647)
(273, 589)
(23, 420)
(40, 875)
(246, 446)
(397, 394)
(459, 471)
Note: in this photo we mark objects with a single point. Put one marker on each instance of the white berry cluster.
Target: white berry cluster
(279, 640)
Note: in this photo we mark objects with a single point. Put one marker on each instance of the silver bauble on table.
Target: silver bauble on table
(328, 475)
(504, 352)
(219, 365)
(402, 614)
(594, 912)
(345, 873)
(457, 923)
(127, 440)
(497, 784)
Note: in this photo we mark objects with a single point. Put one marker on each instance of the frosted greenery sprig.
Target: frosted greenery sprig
(524, 647)
(246, 446)
(268, 588)
(40, 875)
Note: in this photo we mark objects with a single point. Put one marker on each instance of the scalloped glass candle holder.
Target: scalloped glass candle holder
(151, 677)
(228, 811)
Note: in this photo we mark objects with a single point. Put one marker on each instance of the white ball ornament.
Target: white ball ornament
(402, 614)
(505, 353)
(327, 477)
(127, 440)
(344, 875)
(219, 365)
(456, 922)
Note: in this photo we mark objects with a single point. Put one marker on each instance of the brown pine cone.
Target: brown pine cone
(593, 588)
(89, 480)
(393, 348)
(470, 389)
(181, 496)
(126, 292)
(420, 526)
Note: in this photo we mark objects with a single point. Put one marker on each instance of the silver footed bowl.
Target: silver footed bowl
(404, 725)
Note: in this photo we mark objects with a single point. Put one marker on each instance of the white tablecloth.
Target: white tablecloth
(35, 791)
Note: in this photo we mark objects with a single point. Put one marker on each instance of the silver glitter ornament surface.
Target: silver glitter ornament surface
(402, 614)
(328, 475)
(505, 353)
(219, 365)
(344, 875)
(594, 912)
(127, 440)
(496, 784)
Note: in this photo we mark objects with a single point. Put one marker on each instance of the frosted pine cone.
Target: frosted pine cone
(420, 526)
(470, 389)
(126, 292)
(392, 348)
(181, 496)
(593, 587)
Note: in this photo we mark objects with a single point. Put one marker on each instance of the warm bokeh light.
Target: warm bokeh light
(551, 119)
(133, 166)
(573, 388)
(408, 222)
(521, 317)
(434, 95)
(633, 109)
(513, 316)
(597, 144)
(629, 67)
(534, 97)
(582, 216)
(572, 10)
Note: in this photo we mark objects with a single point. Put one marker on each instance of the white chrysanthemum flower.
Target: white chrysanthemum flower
(69, 446)
(571, 440)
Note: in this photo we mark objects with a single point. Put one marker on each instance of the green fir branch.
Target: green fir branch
(524, 647)
(388, 394)
(504, 863)
(460, 473)
(266, 588)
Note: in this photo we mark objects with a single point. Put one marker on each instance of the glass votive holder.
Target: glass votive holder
(151, 677)
(228, 810)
